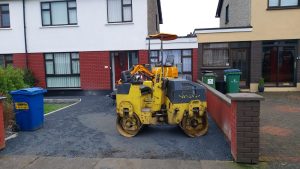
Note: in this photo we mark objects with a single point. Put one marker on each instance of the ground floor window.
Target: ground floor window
(279, 58)
(216, 55)
(5, 60)
(62, 70)
(235, 55)
(181, 58)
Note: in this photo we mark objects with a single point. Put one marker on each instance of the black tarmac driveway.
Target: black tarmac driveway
(88, 129)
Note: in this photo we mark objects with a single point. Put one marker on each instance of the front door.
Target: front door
(240, 60)
(122, 61)
(120, 64)
(279, 65)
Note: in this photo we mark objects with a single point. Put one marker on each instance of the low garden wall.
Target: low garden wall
(237, 115)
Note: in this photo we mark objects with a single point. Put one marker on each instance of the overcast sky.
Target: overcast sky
(183, 16)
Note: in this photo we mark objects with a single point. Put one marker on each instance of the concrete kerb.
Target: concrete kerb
(61, 101)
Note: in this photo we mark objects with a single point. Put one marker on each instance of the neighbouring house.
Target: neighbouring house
(259, 37)
(77, 44)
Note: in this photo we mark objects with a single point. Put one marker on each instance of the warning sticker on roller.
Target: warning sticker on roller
(21, 106)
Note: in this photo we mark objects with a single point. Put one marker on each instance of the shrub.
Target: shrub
(29, 78)
(13, 79)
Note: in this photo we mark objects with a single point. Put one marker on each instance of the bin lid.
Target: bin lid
(29, 91)
(210, 74)
(232, 71)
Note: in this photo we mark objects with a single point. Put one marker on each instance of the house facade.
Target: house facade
(77, 44)
(259, 37)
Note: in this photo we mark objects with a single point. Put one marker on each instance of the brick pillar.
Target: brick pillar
(245, 128)
(195, 64)
(143, 57)
(2, 131)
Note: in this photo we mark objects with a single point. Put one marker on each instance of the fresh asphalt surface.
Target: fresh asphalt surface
(88, 129)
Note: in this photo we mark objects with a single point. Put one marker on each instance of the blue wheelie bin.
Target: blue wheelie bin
(29, 108)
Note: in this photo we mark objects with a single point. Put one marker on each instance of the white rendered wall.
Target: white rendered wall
(92, 33)
(12, 39)
(180, 43)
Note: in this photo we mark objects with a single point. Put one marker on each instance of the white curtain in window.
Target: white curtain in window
(273, 2)
(63, 82)
(49, 68)
(187, 52)
(215, 57)
(126, 2)
(114, 10)
(49, 56)
(75, 66)
(5, 20)
(59, 13)
(46, 17)
(73, 16)
(176, 54)
(187, 64)
(289, 2)
(62, 63)
(127, 13)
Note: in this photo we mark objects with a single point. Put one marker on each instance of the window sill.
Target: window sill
(59, 26)
(283, 8)
(5, 28)
(120, 23)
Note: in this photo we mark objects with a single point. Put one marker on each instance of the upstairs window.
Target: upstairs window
(5, 60)
(283, 3)
(59, 13)
(227, 14)
(119, 11)
(4, 16)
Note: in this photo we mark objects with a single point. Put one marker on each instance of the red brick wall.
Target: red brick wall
(237, 115)
(19, 60)
(93, 74)
(195, 64)
(143, 57)
(2, 141)
(220, 111)
(36, 65)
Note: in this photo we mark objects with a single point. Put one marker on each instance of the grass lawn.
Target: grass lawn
(52, 107)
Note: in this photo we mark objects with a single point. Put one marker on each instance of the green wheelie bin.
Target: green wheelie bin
(232, 79)
(209, 78)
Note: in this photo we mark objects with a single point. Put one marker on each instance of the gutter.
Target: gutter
(223, 30)
(25, 34)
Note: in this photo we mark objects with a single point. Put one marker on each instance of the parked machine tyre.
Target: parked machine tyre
(128, 126)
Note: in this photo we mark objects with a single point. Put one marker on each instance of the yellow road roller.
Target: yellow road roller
(156, 97)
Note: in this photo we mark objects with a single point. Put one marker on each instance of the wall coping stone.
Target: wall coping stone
(245, 97)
